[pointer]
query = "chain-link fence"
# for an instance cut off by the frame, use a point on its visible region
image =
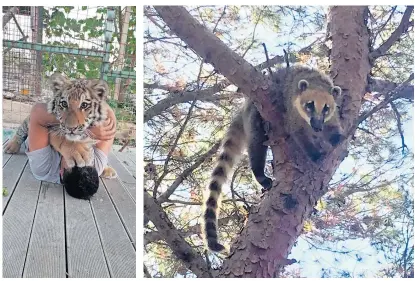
(81, 42)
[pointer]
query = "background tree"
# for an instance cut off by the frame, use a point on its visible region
(195, 57)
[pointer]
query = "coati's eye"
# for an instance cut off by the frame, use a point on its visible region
(64, 104)
(84, 105)
(326, 109)
(309, 106)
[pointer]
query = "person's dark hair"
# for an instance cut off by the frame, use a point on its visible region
(81, 183)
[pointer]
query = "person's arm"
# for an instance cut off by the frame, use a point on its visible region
(105, 133)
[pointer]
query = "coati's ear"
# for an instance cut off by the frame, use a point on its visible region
(302, 85)
(336, 91)
(58, 82)
(100, 87)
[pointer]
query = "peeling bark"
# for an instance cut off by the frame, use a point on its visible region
(261, 250)
(349, 58)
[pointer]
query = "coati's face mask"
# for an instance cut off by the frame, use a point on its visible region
(316, 106)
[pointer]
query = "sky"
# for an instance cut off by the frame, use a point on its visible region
(309, 268)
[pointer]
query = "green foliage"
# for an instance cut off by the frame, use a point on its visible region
(267, 16)
(59, 22)
(62, 27)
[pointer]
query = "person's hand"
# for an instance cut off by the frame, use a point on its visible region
(105, 131)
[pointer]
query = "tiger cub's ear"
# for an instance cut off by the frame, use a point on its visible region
(100, 88)
(58, 82)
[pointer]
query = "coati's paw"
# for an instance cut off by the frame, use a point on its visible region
(215, 246)
(266, 183)
(12, 146)
(316, 157)
(109, 173)
(335, 139)
(267, 127)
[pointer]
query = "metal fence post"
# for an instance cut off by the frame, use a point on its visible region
(109, 29)
(39, 54)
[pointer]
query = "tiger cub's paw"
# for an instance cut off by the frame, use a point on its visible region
(12, 146)
(109, 173)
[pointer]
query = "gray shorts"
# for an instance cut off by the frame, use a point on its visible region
(45, 162)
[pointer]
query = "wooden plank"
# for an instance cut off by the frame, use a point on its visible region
(12, 172)
(124, 205)
(126, 162)
(84, 250)
(129, 151)
(117, 246)
(46, 252)
(131, 155)
(126, 179)
(17, 224)
(6, 158)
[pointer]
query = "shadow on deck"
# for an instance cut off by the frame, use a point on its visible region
(47, 233)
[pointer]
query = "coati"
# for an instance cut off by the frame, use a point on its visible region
(311, 114)
(309, 100)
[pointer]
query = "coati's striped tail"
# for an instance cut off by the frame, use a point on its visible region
(232, 146)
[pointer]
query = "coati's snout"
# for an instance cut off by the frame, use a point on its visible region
(317, 123)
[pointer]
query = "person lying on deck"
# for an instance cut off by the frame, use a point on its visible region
(48, 165)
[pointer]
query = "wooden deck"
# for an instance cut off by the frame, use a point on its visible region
(47, 233)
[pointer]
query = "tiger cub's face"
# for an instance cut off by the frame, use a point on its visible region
(77, 104)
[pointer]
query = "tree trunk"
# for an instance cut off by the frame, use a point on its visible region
(274, 225)
(118, 94)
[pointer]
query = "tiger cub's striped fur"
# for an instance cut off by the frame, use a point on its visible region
(77, 104)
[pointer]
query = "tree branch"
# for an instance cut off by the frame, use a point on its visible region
(239, 72)
(159, 86)
(388, 98)
(366, 131)
(380, 29)
(150, 17)
(401, 29)
(165, 196)
(154, 236)
(171, 235)
(385, 86)
(203, 95)
(172, 99)
(399, 124)
(349, 191)
(173, 147)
